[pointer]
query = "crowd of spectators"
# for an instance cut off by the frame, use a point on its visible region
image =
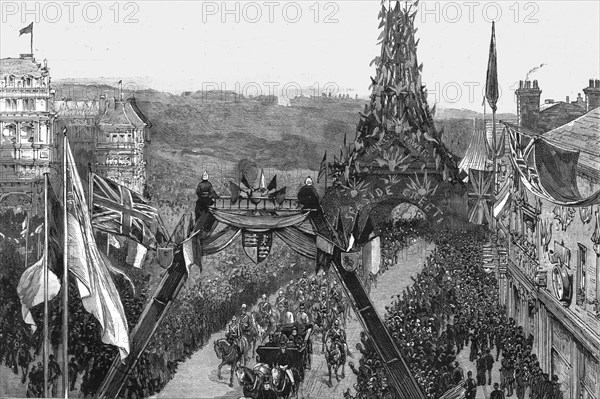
(204, 306)
(453, 304)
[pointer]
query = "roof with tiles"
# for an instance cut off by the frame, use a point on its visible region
(583, 135)
(123, 113)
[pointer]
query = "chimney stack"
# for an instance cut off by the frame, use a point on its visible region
(592, 95)
(567, 100)
(528, 104)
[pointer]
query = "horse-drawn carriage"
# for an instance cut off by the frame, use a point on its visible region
(297, 346)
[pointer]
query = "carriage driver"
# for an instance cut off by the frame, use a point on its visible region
(284, 359)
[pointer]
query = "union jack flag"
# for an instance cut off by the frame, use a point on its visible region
(120, 211)
(480, 196)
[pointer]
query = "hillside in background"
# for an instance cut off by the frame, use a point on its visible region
(216, 130)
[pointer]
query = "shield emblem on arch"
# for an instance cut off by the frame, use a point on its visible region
(165, 257)
(350, 260)
(257, 245)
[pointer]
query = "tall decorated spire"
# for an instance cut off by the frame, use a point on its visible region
(398, 114)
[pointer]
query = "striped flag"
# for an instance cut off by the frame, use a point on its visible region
(120, 211)
(92, 268)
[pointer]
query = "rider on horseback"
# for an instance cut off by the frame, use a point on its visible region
(232, 333)
(245, 320)
(288, 317)
(306, 326)
(280, 298)
(264, 307)
(337, 333)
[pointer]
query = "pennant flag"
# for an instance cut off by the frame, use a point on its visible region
(245, 183)
(121, 211)
(273, 184)
(91, 267)
(192, 252)
(491, 83)
(31, 289)
(278, 196)
(27, 29)
(262, 185)
(113, 241)
(136, 254)
(323, 167)
(184, 227)
(140, 256)
(235, 192)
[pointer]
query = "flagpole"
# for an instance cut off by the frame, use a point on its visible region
(65, 304)
(27, 238)
(31, 45)
(47, 232)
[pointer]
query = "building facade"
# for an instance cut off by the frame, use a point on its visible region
(549, 265)
(108, 135)
(27, 142)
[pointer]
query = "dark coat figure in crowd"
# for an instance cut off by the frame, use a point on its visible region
(457, 374)
(53, 374)
(497, 393)
(308, 198)
(73, 371)
(470, 386)
(521, 382)
(481, 367)
(206, 195)
(489, 364)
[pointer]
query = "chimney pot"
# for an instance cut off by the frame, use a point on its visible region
(520, 84)
(598, 83)
(591, 83)
(535, 84)
(567, 100)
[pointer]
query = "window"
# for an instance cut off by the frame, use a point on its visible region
(581, 274)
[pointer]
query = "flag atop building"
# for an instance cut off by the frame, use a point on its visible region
(27, 29)
(92, 268)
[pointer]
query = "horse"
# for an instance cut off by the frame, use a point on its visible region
(281, 383)
(274, 320)
(230, 354)
(335, 357)
(252, 385)
(262, 324)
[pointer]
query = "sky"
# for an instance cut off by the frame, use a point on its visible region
(288, 48)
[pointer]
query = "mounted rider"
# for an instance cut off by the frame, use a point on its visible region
(288, 317)
(280, 298)
(232, 331)
(245, 321)
(306, 327)
(303, 283)
(337, 333)
(264, 307)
